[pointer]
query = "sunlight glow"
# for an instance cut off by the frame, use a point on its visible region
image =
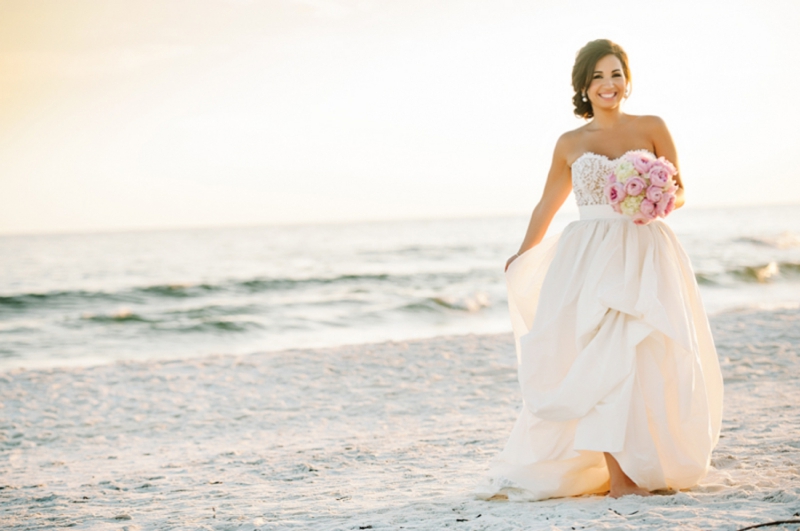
(172, 114)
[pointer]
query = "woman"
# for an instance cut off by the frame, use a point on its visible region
(618, 369)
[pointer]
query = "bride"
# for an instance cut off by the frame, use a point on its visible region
(619, 374)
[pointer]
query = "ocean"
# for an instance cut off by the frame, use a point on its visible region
(81, 299)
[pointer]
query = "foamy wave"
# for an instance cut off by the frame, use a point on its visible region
(761, 273)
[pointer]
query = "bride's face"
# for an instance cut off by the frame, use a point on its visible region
(608, 85)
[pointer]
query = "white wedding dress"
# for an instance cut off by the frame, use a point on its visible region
(615, 355)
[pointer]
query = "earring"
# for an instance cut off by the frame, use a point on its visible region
(583, 98)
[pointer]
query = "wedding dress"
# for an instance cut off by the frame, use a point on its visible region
(615, 355)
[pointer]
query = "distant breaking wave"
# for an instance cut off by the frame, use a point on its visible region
(762, 273)
(29, 301)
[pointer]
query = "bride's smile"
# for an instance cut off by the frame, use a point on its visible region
(608, 85)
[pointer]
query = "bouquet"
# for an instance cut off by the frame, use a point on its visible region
(641, 186)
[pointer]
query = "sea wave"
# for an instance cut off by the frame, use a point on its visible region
(23, 301)
(748, 274)
(14, 303)
(470, 304)
(785, 240)
(205, 319)
(142, 294)
(121, 316)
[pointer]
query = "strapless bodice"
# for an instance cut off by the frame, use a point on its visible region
(589, 172)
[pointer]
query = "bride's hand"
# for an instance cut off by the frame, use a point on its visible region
(508, 262)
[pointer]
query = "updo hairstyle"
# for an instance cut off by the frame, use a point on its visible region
(583, 70)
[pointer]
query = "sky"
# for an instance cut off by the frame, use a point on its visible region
(118, 115)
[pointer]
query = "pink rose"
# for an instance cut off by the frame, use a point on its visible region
(670, 167)
(670, 204)
(635, 185)
(641, 161)
(612, 178)
(615, 192)
(654, 193)
(666, 205)
(648, 208)
(659, 174)
(640, 219)
(671, 188)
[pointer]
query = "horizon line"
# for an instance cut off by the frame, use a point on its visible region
(168, 228)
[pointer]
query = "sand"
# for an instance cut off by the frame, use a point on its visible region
(381, 436)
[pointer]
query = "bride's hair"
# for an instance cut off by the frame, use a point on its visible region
(583, 69)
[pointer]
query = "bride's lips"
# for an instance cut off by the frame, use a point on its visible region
(607, 96)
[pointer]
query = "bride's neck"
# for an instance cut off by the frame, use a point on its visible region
(606, 119)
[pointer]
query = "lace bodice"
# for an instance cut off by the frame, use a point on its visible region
(589, 173)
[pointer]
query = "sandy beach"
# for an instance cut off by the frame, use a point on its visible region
(382, 436)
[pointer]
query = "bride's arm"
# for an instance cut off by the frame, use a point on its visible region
(556, 190)
(665, 147)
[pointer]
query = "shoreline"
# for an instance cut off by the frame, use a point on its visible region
(384, 434)
(14, 367)
(87, 363)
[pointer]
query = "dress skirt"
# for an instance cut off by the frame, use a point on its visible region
(615, 355)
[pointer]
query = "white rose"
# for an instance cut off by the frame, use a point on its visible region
(631, 204)
(625, 170)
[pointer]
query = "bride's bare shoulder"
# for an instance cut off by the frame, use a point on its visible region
(575, 135)
(654, 130)
(569, 141)
(648, 123)
(569, 145)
